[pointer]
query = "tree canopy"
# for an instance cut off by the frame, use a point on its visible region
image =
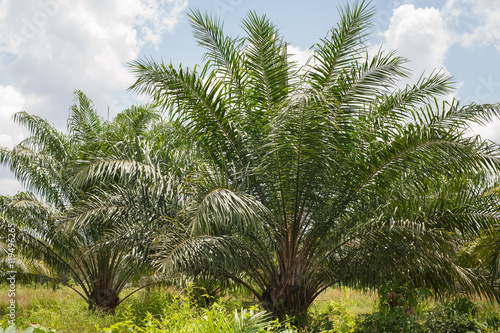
(324, 173)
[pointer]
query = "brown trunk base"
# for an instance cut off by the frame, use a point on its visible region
(104, 301)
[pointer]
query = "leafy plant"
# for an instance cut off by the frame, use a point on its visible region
(396, 311)
(334, 316)
(181, 318)
(394, 294)
(203, 292)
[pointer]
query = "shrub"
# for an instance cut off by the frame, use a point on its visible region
(181, 317)
(334, 316)
(203, 293)
(396, 311)
(395, 320)
(456, 316)
(153, 302)
(394, 294)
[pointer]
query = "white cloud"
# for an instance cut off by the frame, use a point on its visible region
(421, 35)
(56, 46)
(11, 101)
(424, 36)
(490, 131)
(48, 48)
(477, 20)
(299, 56)
(9, 186)
(477, 23)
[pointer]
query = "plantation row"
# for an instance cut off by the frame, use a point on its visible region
(255, 173)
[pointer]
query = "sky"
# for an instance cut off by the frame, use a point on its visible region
(49, 48)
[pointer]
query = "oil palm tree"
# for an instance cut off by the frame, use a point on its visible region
(320, 174)
(50, 225)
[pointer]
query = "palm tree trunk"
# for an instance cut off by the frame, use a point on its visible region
(104, 296)
(287, 299)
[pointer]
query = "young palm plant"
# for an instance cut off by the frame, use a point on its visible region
(320, 174)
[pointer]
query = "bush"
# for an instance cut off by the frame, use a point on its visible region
(395, 320)
(456, 316)
(396, 311)
(152, 302)
(459, 315)
(334, 316)
(181, 317)
(203, 293)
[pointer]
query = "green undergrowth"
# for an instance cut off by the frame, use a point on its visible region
(169, 310)
(158, 310)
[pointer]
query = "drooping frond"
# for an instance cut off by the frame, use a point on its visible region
(37, 171)
(44, 136)
(195, 98)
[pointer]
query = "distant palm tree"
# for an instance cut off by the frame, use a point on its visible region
(51, 226)
(324, 173)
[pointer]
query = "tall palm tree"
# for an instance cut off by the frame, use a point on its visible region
(52, 227)
(324, 173)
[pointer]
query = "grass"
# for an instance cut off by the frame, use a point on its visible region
(336, 310)
(357, 302)
(61, 309)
